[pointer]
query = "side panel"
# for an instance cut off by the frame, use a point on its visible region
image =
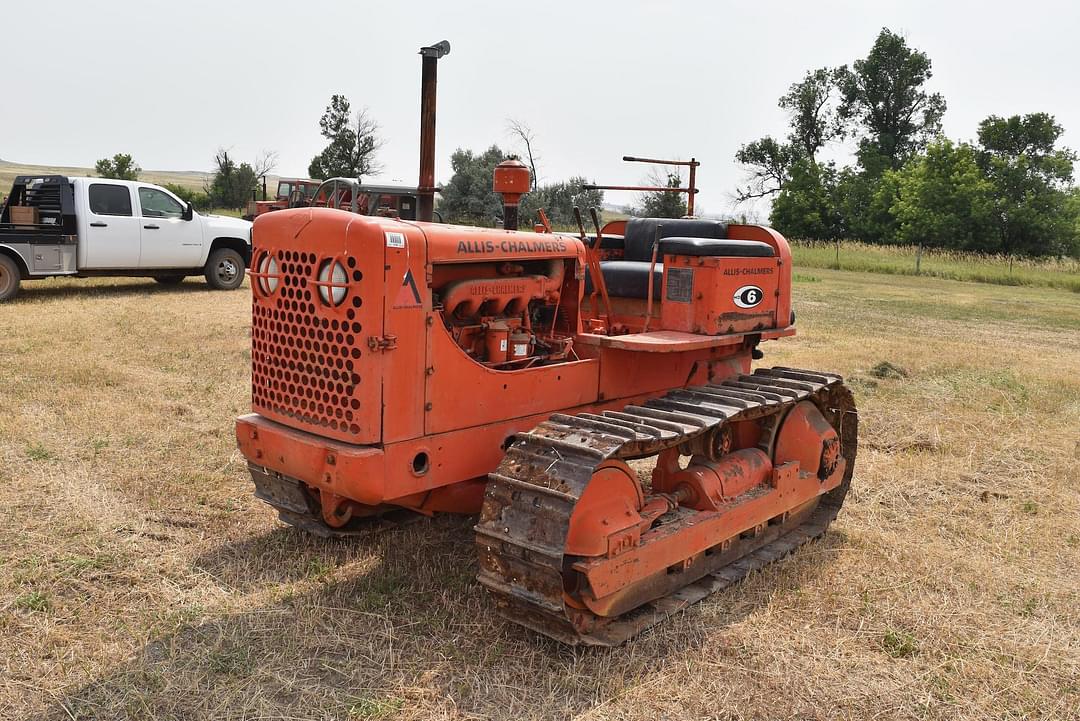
(407, 308)
(628, 373)
(719, 295)
(463, 393)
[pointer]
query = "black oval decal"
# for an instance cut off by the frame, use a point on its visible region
(748, 296)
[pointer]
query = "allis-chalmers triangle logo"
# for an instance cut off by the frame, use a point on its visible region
(409, 295)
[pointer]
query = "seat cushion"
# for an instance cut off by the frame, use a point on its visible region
(628, 279)
(641, 232)
(722, 248)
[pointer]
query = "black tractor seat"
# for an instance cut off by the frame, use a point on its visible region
(700, 247)
(628, 279)
(641, 233)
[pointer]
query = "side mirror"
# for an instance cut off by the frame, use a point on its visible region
(189, 212)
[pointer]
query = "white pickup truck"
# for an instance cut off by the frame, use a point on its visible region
(52, 225)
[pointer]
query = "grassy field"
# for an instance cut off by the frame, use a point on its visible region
(139, 578)
(901, 260)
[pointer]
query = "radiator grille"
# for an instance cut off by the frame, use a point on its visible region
(305, 352)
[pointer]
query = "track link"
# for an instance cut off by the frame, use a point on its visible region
(530, 498)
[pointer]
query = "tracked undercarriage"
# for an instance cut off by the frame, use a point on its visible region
(676, 547)
(532, 508)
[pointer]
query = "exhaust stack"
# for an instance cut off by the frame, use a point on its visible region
(426, 186)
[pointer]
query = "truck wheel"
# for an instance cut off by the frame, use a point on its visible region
(170, 279)
(225, 269)
(9, 278)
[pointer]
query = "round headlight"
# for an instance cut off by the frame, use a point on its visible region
(332, 272)
(268, 271)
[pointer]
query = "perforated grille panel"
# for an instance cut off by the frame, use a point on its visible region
(306, 340)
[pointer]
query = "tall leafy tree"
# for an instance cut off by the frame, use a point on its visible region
(1031, 177)
(119, 167)
(885, 94)
(813, 112)
(353, 142)
(467, 197)
(944, 200)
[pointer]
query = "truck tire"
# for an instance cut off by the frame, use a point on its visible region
(225, 269)
(9, 278)
(170, 279)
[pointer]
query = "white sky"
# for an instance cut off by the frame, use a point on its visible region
(171, 82)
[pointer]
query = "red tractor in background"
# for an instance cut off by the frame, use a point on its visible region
(373, 198)
(291, 193)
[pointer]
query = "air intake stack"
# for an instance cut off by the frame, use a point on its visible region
(429, 72)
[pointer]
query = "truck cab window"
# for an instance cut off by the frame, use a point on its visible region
(106, 199)
(156, 204)
(284, 190)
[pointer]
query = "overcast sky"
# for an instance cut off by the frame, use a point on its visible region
(170, 82)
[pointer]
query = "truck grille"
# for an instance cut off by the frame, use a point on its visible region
(305, 350)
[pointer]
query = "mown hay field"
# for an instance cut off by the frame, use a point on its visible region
(139, 578)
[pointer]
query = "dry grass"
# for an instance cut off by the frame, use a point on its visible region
(140, 579)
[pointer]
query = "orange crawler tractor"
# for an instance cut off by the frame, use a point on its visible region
(600, 416)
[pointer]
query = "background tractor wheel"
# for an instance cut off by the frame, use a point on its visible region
(225, 269)
(170, 279)
(9, 278)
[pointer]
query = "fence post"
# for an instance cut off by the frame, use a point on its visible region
(918, 259)
(838, 254)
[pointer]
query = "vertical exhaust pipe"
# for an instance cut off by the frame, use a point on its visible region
(426, 187)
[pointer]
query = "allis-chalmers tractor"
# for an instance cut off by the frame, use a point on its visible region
(600, 415)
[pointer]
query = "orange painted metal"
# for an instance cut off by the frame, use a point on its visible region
(511, 179)
(606, 518)
(718, 286)
(707, 485)
(808, 439)
(613, 578)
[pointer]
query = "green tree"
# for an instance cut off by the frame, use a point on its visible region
(884, 93)
(1072, 206)
(1031, 178)
(944, 200)
(768, 164)
(813, 113)
(468, 197)
(662, 204)
(354, 142)
(809, 205)
(558, 201)
(119, 167)
(232, 185)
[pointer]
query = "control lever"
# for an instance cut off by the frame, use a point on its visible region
(592, 258)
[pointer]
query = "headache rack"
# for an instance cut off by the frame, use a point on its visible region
(53, 198)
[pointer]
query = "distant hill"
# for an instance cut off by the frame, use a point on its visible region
(194, 179)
